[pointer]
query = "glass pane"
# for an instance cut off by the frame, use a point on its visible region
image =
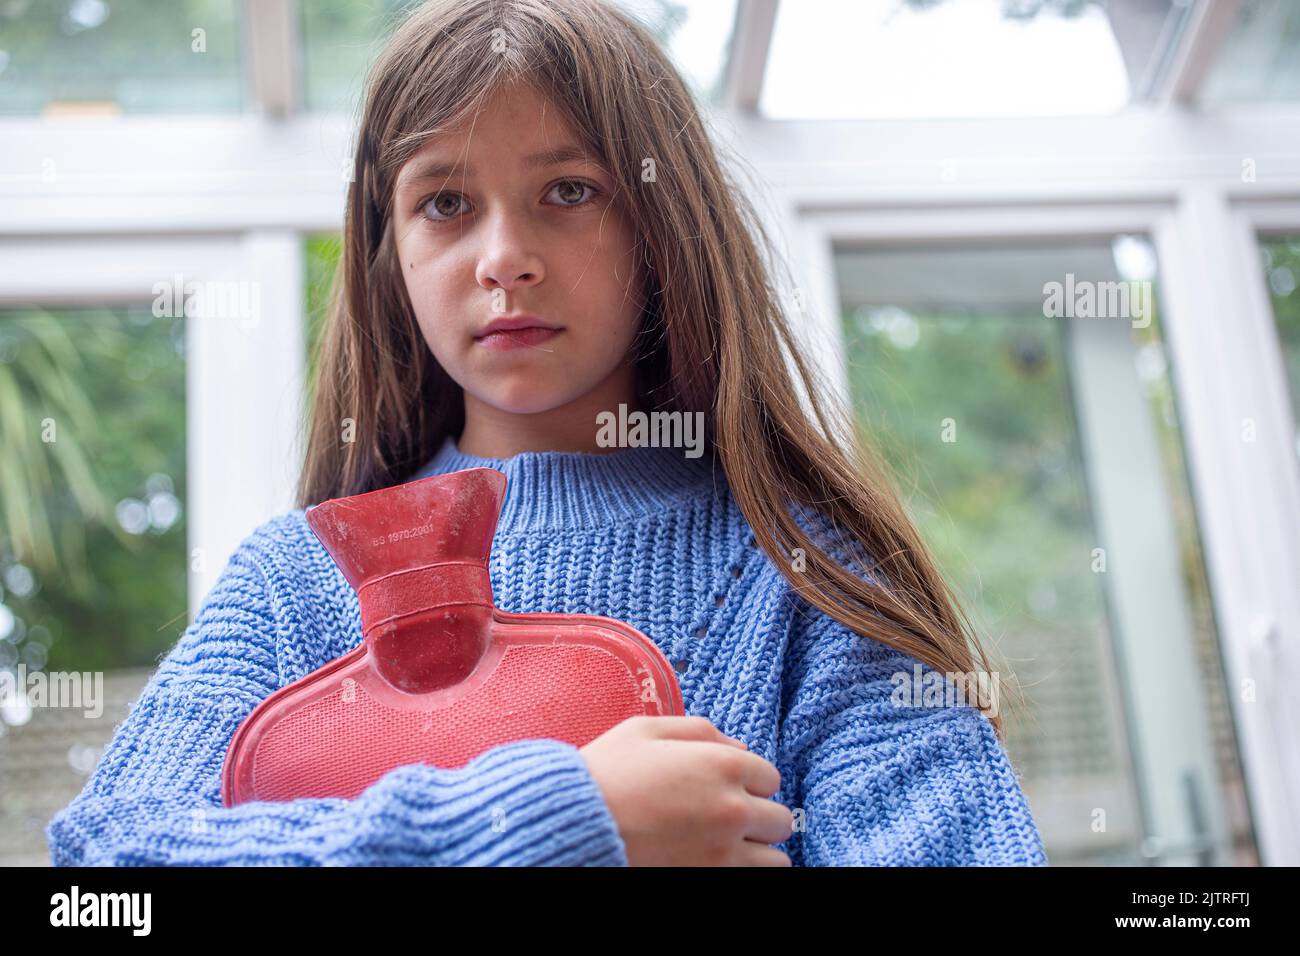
(949, 58)
(340, 40)
(696, 34)
(1261, 60)
(1281, 259)
(342, 37)
(972, 392)
(131, 56)
(93, 569)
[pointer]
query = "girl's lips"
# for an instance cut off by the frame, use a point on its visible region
(517, 338)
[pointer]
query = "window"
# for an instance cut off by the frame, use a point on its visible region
(89, 55)
(897, 59)
(1260, 63)
(1042, 462)
(1281, 262)
(342, 37)
(93, 568)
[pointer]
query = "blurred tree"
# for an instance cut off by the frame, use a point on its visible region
(144, 56)
(322, 253)
(973, 414)
(46, 419)
(92, 530)
(1281, 262)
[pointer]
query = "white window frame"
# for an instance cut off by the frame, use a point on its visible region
(242, 442)
(1204, 230)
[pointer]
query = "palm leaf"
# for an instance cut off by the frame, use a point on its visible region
(44, 382)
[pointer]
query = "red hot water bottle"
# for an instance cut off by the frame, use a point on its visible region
(441, 674)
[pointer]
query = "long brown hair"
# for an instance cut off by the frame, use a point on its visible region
(715, 337)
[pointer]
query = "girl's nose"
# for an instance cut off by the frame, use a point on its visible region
(509, 257)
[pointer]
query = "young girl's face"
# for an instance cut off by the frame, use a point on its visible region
(509, 216)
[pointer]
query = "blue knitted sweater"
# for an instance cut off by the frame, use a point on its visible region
(645, 535)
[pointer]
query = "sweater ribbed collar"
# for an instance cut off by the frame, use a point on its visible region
(557, 489)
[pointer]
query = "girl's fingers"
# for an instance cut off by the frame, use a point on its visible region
(762, 779)
(773, 822)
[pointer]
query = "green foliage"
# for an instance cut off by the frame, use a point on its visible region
(322, 254)
(112, 384)
(138, 54)
(341, 38)
(1001, 500)
(1281, 260)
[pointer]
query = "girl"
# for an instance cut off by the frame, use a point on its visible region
(539, 234)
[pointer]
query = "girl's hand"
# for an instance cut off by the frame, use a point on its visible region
(685, 794)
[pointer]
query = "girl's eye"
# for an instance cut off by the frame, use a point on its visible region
(446, 205)
(438, 205)
(582, 184)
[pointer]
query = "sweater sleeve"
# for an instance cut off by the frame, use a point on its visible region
(154, 797)
(881, 782)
